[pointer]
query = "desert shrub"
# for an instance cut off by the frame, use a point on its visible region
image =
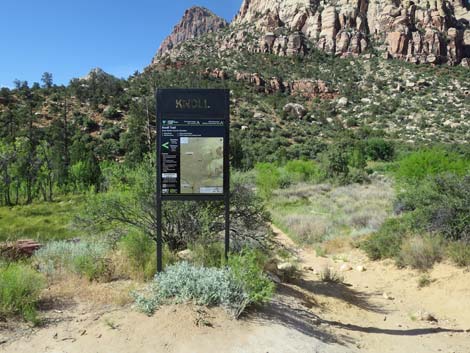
(417, 166)
(378, 149)
(208, 254)
(424, 281)
(334, 162)
(184, 282)
(140, 251)
(267, 179)
(247, 268)
(130, 203)
(330, 276)
(440, 204)
(300, 170)
(20, 288)
(420, 252)
(386, 243)
(459, 253)
(307, 229)
(84, 258)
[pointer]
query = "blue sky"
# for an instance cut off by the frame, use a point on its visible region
(69, 37)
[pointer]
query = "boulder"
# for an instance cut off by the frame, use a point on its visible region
(295, 110)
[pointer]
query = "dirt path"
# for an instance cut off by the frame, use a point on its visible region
(307, 315)
(382, 309)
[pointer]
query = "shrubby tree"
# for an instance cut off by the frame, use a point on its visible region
(130, 202)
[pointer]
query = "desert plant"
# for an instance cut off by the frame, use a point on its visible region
(20, 287)
(330, 276)
(85, 258)
(440, 204)
(208, 254)
(140, 251)
(247, 269)
(459, 252)
(267, 179)
(419, 165)
(300, 170)
(420, 252)
(184, 282)
(386, 243)
(424, 281)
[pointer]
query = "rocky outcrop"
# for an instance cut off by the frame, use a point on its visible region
(420, 31)
(19, 249)
(306, 88)
(195, 22)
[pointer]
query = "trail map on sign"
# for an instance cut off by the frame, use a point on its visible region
(202, 165)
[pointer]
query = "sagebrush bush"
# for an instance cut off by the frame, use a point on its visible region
(184, 282)
(20, 288)
(420, 252)
(88, 259)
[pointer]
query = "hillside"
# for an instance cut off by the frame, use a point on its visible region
(286, 104)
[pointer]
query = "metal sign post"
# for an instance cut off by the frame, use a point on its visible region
(193, 128)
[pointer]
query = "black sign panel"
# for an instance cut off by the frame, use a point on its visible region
(193, 144)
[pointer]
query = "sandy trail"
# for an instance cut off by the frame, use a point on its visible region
(306, 316)
(378, 308)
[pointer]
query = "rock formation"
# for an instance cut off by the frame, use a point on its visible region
(195, 22)
(419, 31)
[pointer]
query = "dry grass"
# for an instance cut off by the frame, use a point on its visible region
(322, 213)
(420, 252)
(76, 288)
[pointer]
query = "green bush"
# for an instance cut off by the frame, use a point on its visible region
(20, 288)
(386, 243)
(247, 268)
(141, 253)
(88, 259)
(378, 149)
(300, 170)
(417, 166)
(335, 161)
(459, 252)
(440, 204)
(209, 254)
(420, 252)
(184, 282)
(267, 179)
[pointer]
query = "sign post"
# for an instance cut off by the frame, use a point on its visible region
(192, 151)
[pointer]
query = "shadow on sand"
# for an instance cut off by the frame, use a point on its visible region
(294, 307)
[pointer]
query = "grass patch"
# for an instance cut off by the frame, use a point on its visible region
(20, 287)
(330, 276)
(424, 281)
(459, 253)
(311, 213)
(41, 221)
